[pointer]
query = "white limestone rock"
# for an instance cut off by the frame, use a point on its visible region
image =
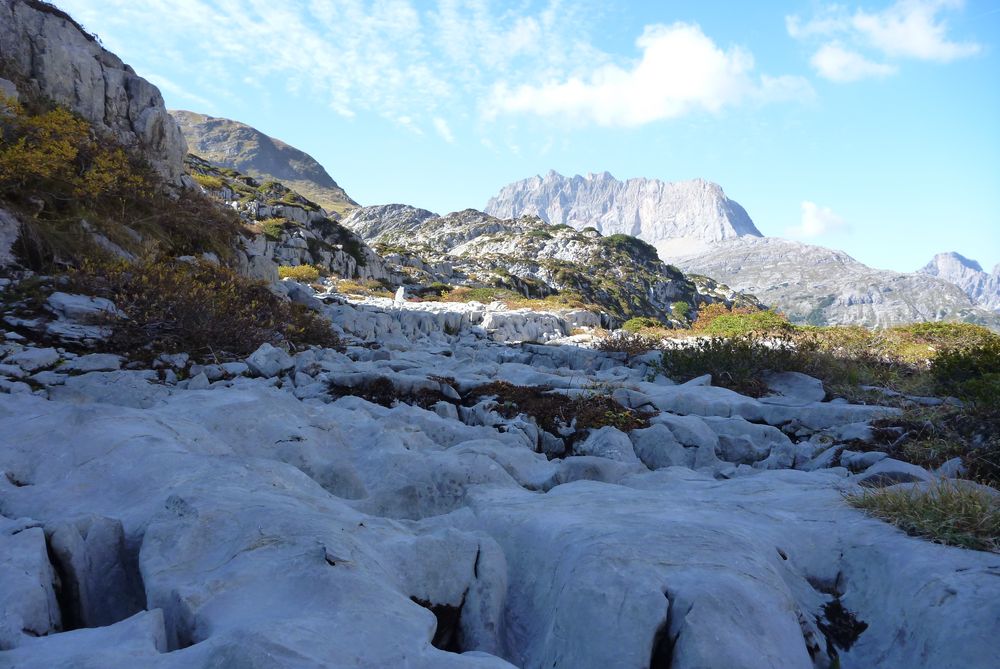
(28, 605)
(269, 361)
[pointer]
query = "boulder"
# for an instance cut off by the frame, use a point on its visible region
(889, 471)
(657, 447)
(607, 442)
(28, 603)
(268, 361)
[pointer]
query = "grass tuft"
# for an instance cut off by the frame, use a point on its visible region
(954, 514)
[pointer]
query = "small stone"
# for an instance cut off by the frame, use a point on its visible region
(199, 382)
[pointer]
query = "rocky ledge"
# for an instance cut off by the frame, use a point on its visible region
(391, 505)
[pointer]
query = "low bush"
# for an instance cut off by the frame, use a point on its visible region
(630, 343)
(367, 288)
(555, 412)
(949, 513)
(640, 323)
(199, 308)
(272, 228)
(69, 182)
(738, 363)
(208, 182)
(300, 273)
(972, 374)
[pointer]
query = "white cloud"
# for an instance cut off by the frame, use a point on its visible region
(907, 29)
(444, 130)
(832, 61)
(816, 221)
(912, 29)
(680, 71)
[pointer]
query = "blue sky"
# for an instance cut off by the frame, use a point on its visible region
(871, 127)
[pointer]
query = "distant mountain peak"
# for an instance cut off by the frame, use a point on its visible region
(953, 256)
(229, 143)
(982, 288)
(681, 214)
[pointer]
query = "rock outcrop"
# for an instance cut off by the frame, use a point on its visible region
(284, 228)
(45, 52)
(676, 216)
(619, 273)
(982, 288)
(233, 144)
(818, 286)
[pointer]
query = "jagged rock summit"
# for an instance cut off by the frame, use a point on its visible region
(237, 145)
(676, 217)
(45, 52)
(982, 288)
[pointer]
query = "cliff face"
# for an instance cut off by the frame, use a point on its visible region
(241, 147)
(44, 52)
(683, 214)
(982, 288)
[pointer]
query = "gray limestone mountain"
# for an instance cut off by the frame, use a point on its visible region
(675, 217)
(695, 226)
(46, 54)
(982, 288)
(819, 286)
(621, 274)
(237, 145)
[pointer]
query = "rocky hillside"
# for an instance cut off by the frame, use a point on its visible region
(45, 53)
(285, 229)
(621, 274)
(818, 286)
(982, 288)
(674, 217)
(233, 144)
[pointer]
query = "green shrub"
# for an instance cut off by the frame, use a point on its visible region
(949, 513)
(199, 308)
(640, 323)
(738, 363)
(300, 273)
(272, 228)
(680, 310)
(737, 324)
(972, 374)
(208, 182)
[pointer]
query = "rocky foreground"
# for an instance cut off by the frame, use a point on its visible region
(264, 513)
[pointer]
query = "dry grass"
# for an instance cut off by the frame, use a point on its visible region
(949, 513)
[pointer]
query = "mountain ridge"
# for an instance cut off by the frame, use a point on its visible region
(242, 147)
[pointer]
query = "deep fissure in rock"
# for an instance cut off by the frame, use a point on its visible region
(662, 655)
(448, 633)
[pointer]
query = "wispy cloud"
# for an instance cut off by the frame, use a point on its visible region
(444, 130)
(681, 70)
(457, 62)
(907, 29)
(834, 62)
(816, 221)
